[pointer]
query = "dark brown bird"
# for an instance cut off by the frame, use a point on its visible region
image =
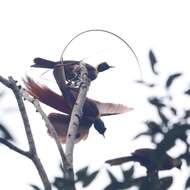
(72, 68)
(150, 159)
(92, 110)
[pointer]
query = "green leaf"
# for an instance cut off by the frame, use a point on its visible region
(142, 134)
(154, 127)
(150, 85)
(178, 132)
(153, 62)
(187, 114)
(35, 187)
(187, 183)
(5, 133)
(81, 174)
(112, 177)
(173, 110)
(84, 177)
(163, 117)
(156, 102)
(128, 173)
(171, 78)
(114, 186)
(165, 183)
(187, 92)
(90, 178)
(60, 183)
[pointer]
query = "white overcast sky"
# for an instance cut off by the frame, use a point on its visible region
(29, 29)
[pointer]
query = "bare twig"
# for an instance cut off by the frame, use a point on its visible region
(60, 78)
(11, 83)
(15, 148)
(25, 119)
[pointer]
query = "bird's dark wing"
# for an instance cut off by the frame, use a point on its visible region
(47, 96)
(44, 63)
(106, 109)
(61, 124)
(52, 99)
(144, 154)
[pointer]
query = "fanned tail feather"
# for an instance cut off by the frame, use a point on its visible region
(46, 96)
(106, 109)
(43, 63)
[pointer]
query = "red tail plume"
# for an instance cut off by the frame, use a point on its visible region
(111, 108)
(92, 108)
(47, 96)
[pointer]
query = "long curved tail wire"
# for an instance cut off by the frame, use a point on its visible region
(106, 31)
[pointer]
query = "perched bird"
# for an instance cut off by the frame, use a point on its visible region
(72, 68)
(150, 159)
(92, 110)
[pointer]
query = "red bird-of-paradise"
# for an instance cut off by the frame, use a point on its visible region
(92, 110)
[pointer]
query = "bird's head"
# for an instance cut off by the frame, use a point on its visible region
(177, 163)
(99, 126)
(103, 67)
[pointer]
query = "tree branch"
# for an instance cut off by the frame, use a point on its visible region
(14, 148)
(77, 114)
(36, 104)
(24, 116)
(77, 106)
(11, 83)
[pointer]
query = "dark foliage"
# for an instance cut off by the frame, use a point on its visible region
(168, 128)
(35, 187)
(4, 133)
(171, 78)
(187, 183)
(187, 92)
(157, 102)
(143, 183)
(126, 183)
(82, 176)
(153, 62)
(150, 85)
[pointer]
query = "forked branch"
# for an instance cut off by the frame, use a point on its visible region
(32, 153)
